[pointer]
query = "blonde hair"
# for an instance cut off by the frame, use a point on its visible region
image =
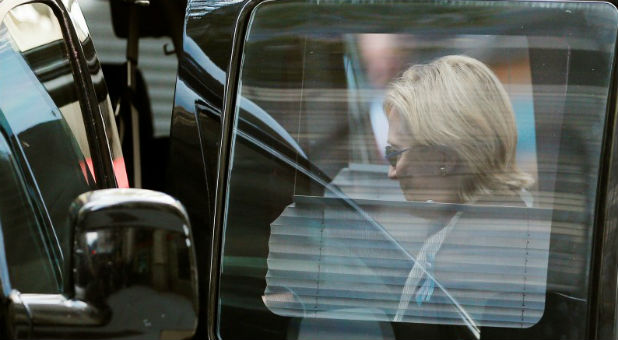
(458, 103)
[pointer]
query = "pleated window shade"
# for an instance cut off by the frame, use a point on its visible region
(328, 260)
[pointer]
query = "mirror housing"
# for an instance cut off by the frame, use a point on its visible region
(131, 273)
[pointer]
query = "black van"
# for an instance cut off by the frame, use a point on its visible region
(276, 150)
(281, 149)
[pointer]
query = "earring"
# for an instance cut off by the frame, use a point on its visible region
(443, 171)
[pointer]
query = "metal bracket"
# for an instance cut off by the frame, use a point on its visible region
(168, 49)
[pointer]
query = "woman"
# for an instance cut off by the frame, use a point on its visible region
(452, 135)
(452, 139)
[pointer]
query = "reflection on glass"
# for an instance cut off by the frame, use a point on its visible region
(105, 104)
(38, 99)
(446, 184)
(31, 264)
(77, 17)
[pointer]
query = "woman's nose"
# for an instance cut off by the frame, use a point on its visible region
(391, 172)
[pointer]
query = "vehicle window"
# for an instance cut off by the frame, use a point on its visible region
(30, 260)
(415, 170)
(38, 98)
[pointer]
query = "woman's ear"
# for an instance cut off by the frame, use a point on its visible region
(450, 163)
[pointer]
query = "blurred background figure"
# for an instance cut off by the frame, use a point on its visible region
(383, 60)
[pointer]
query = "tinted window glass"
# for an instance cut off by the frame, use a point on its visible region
(38, 97)
(415, 170)
(31, 265)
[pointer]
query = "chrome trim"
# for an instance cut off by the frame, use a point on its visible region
(127, 197)
(56, 310)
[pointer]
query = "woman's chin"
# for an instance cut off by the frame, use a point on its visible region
(415, 196)
(412, 197)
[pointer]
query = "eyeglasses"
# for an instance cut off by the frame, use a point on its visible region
(392, 155)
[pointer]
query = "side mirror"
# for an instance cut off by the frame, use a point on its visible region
(132, 271)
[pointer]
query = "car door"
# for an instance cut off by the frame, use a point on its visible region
(281, 105)
(59, 138)
(82, 256)
(48, 108)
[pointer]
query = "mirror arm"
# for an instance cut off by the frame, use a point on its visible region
(29, 311)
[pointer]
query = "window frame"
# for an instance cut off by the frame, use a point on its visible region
(601, 318)
(93, 123)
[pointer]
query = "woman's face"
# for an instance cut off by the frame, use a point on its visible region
(424, 172)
